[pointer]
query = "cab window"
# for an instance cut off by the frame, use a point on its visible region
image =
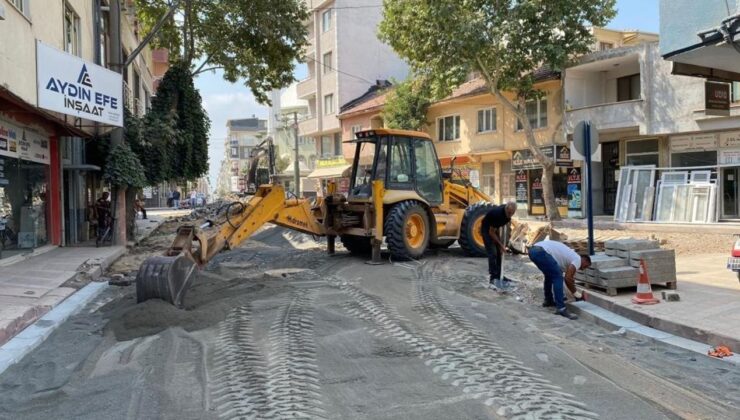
(400, 172)
(428, 171)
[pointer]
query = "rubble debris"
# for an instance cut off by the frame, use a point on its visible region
(120, 280)
(670, 296)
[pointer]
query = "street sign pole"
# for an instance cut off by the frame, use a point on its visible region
(589, 200)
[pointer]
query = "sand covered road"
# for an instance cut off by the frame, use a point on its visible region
(278, 329)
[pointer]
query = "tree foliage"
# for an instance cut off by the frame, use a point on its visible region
(171, 141)
(505, 41)
(255, 40)
(123, 168)
(406, 104)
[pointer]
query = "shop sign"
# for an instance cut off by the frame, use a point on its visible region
(537, 198)
(574, 189)
(73, 86)
(23, 143)
(729, 157)
(695, 143)
(525, 159)
(520, 183)
(331, 162)
(717, 98)
(731, 139)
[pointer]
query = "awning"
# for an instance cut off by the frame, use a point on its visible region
(82, 167)
(331, 172)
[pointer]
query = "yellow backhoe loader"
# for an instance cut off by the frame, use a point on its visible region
(398, 191)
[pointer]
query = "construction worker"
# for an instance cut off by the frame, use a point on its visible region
(493, 221)
(554, 258)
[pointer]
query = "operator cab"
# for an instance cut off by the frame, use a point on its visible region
(403, 160)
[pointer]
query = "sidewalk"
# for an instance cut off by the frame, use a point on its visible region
(709, 309)
(34, 285)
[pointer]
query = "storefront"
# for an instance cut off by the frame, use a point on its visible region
(25, 178)
(528, 180)
(332, 169)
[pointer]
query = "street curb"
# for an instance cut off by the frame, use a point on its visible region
(694, 334)
(27, 340)
(605, 318)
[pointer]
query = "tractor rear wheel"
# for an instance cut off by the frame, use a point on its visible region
(407, 230)
(471, 239)
(359, 245)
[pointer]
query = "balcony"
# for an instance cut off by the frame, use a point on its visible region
(307, 88)
(609, 117)
(307, 127)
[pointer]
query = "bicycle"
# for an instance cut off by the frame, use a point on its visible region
(105, 233)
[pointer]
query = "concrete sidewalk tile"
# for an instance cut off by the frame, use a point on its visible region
(687, 344)
(649, 332)
(27, 291)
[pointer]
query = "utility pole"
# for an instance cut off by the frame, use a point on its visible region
(119, 193)
(296, 166)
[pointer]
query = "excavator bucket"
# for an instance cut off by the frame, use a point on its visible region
(166, 278)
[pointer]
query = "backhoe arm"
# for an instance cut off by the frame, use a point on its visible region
(168, 277)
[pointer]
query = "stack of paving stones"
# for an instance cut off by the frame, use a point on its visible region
(619, 265)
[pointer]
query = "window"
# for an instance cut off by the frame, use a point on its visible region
(235, 152)
(104, 40)
(487, 120)
(603, 46)
(448, 128)
(681, 160)
(735, 92)
(400, 169)
(337, 144)
(536, 114)
(642, 152)
(329, 104)
(628, 88)
(328, 64)
(428, 171)
(327, 148)
(356, 129)
(21, 5)
(326, 21)
(71, 31)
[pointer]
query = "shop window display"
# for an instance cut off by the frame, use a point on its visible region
(23, 205)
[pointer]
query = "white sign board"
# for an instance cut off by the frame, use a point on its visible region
(474, 178)
(23, 143)
(695, 143)
(73, 86)
(234, 184)
(729, 157)
(731, 139)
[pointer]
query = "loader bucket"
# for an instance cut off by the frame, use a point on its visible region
(166, 278)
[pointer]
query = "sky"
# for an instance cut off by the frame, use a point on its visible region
(223, 100)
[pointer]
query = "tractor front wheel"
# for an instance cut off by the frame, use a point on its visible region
(471, 238)
(407, 230)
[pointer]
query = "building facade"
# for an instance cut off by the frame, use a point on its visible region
(48, 181)
(242, 136)
(345, 56)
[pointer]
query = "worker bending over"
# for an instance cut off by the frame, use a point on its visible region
(493, 221)
(553, 258)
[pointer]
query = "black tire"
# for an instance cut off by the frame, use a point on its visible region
(359, 245)
(467, 234)
(395, 230)
(441, 244)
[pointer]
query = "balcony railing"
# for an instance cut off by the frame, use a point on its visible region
(306, 88)
(610, 116)
(307, 126)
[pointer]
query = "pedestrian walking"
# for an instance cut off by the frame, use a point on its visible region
(193, 198)
(103, 212)
(491, 227)
(554, 258)
(176, 198)
(139, 207)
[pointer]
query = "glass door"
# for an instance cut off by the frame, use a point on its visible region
(730, 193)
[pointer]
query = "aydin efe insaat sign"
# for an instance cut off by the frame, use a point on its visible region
(73, 86)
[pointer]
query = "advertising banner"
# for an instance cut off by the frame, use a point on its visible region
(524, 159)
(574, 189)
(73, 86)
(520, 182)
(23, 143)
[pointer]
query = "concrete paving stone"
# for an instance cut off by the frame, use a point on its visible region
(631, 244)
(606, 261)
(649, 332)
(618, 272)
(649, 254)
(610, 252)
(27, 291)
(39, 282)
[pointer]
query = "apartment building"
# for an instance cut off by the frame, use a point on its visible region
(344, 58)
(242, 136)
(647, 116)
(55, 96)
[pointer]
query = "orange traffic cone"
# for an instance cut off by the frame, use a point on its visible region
(644, 294)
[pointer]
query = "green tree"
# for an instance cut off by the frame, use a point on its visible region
(406, 105)
(505, 41)
(282, 163)
(255, 40)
